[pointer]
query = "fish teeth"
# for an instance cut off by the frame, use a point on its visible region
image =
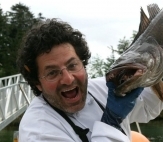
(111, 76)
(130, 76)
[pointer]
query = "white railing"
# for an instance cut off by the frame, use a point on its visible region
(15, 96)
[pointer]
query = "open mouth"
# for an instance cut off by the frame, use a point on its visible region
(122, 74)
(71, 93)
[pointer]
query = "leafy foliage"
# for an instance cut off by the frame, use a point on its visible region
(13, 25)
(99, 67)
(4, 38)
(96, 67)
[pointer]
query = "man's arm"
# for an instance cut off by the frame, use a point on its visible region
(158, 90)
(148, 106)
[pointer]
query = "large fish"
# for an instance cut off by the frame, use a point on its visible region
(141, 65)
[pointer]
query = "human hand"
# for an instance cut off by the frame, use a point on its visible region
(121, 105)
(118, 107)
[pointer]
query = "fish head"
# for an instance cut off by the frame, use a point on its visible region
(139, 66)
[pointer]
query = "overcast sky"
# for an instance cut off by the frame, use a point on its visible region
(103, 22)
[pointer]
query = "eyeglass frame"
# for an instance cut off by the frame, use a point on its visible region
(60, 71)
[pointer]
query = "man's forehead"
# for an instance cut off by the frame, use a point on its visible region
(58, 54)
(59, 51)
(62, 49)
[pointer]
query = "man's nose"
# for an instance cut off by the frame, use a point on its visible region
(66, 77)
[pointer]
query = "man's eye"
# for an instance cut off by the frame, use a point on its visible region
(72, 66)
(52, 73)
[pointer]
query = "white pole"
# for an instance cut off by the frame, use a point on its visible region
(138, 127)
(24, 94)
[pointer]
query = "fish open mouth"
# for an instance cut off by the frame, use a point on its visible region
(124, 73)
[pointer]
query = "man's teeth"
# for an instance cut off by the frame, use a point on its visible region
(69, 89)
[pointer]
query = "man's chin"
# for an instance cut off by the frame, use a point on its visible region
(75, 108)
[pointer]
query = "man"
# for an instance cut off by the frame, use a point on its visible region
(69, 107)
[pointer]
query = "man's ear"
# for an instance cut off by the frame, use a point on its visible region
(39, 87)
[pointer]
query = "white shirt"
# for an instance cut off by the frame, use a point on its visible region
(41, 123)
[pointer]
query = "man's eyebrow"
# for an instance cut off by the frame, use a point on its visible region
(71, 59)
(57, 67)
(51, 67)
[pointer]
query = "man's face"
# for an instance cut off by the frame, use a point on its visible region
(67, 93)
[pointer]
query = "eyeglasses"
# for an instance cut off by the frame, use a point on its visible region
(53, 75)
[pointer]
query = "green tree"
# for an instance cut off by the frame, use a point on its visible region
(21, 19)
(110, 60)
(4, 40)
(123, 45)
(99, 67)
(40, 17)
(16, 23)
(95, 63)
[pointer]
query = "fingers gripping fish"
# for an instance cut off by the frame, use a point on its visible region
(141, 65)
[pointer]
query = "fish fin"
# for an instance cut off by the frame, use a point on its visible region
(144, 23)
(153, 10)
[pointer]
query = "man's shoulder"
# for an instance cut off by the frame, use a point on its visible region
(97, 87)
(35, 109)
(99, 82)
(40, 117)
(40, 113)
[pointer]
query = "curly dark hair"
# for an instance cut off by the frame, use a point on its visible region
(40, 39)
